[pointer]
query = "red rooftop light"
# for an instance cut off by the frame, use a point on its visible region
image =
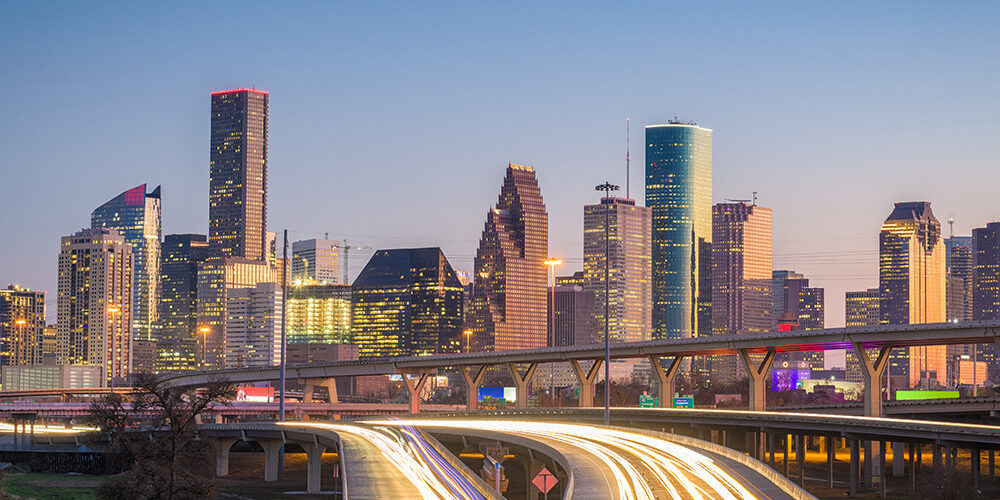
(233, 91)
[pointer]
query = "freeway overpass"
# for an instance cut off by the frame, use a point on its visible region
(756, 351)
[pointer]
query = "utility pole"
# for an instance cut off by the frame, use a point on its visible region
(607, 187)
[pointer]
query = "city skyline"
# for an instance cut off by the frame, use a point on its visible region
(587, 148)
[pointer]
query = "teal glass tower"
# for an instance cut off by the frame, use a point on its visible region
(679, 193)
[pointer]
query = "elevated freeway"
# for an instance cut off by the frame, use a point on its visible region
(756, 352)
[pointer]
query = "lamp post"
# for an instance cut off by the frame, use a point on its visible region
(468, 341)
(552, 263)
(607, 187)
(204, 344)
(111, 333)
(19, 339)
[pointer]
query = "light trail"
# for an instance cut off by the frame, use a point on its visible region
(432, 476)
(681, 471)
(46, 429)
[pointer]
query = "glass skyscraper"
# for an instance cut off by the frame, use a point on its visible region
(679, 192)
(237, 209)
(135, 215)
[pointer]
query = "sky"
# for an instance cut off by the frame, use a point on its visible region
(391, 122)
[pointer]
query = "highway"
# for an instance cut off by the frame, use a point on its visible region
(383, 462)
(618, 463)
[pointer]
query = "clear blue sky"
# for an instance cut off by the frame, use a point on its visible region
(391, 123)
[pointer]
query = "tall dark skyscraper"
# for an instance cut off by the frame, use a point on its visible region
(237, 210)
(22, 326)
(407, 302)
(986, 272)
(574, 322)
(958, 266)
(182, 253)
(793, 296)
(135, 215)
(508, 309)
(679, 193)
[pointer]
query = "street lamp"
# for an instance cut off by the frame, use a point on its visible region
(552, 263)
(111, 332)
(607, 187)
(204, 344)
(468, 341)
(21, 342)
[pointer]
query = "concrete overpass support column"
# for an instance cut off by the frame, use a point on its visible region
(314, 458)
(992, 462)
(472, 381)
(586, 380)
(897, 459)
(770, 447)
(331, 389)
(855, 462)
(222, 456)
(307, 389)
(830, 456)
(913, 470)
(788, 454)
(666, 378)
(937, 456)
(757, 374)
(415, 389)
(881, 459)
(874, 373)
(975, 468)
(522, 382)
(800, 454)
(273, 450)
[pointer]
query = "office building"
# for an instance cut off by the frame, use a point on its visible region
(40, 378)
(135, 215)
(315, 261)
(986, 285)
(958, 266)
(237, 209)
(407, 302)
(912, 288)
(629, 299)
(794, 299)
(573, 321)
(181, 256)
(253, 326)
(508, 307)
(22, 326)
(319, 314)
(94, 306)
(679, 194)
(217, 278)
(577, 278)
(741, 277)
(861, 310)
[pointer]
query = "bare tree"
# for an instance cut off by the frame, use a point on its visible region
(155, 427)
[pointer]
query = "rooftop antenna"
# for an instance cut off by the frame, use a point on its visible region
(628, 158)
(755, 198)
(951, 225)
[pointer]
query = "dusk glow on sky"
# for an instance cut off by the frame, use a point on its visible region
(391, 124)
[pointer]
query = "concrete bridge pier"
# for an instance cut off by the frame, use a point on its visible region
(309, 386)
(830, 456)
(415, 389)
(855, 466)
(314, 456)
(666, 378)
(522, 382)
(272, 451)
(222, 447)
(757, 373)
(897, 459)
(586, 380)
(472, 381)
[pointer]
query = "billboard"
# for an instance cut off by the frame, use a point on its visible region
(255, 394)
(505, 393)
(788, 379)
(912, 395)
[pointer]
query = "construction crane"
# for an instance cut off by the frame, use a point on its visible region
(345, 249)
(753, 201)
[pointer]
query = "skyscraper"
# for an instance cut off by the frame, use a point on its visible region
(986, 284)
(741, 277)
(178, 331)
(216, 280)
(22, 326)
(407, 302)
(508, 308)
(861, 309)
(315, 261)
(253, 326)
(958, 266)
(793, 298)
(630, 267)
(573, 315)
(135, 215)
(912, 287)
(679, 193)
(319, 314)
(94, 325)
(237, 209)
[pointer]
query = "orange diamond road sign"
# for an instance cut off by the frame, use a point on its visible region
(544, 481)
